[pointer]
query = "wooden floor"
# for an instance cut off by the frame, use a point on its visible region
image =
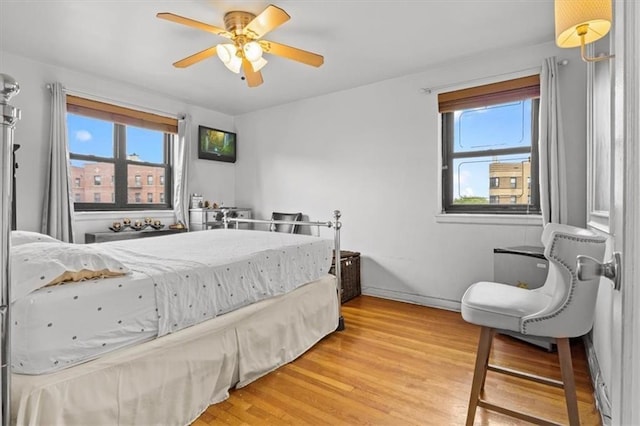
(402, 364)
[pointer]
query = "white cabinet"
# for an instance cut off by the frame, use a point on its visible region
(200, 219)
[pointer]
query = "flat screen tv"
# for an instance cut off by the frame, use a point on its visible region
(218, 145)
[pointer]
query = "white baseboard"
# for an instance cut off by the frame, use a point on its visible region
(599, 386)
(417, 299)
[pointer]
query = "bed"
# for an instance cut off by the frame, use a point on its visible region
(194, 315)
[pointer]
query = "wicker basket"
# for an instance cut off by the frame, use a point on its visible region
(350, 271)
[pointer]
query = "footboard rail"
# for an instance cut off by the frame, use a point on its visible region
(335, 224)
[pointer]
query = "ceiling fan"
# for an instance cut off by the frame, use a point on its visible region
(245, 31)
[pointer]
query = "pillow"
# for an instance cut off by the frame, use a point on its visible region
(23, 237)
(38, 265)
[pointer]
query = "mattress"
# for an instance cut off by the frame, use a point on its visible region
(176, 281)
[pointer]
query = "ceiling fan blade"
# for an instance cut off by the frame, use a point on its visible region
(293, 53)
(253, 78)
(269, 19)
(196, 57)
(194, 24)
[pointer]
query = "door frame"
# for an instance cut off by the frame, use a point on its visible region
(626, 374)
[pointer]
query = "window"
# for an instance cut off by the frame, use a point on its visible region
(125, 144)
(149, 197)
(489, 135)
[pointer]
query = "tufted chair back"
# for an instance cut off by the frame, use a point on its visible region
(571, 306)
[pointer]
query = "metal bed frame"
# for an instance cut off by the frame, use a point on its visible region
(336, 225)
(10, 115)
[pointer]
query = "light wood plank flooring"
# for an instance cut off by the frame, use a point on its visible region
(402, 364)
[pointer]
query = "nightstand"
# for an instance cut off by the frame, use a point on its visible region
(201, 218)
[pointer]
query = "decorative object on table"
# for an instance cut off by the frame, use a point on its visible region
(196, 201)
(218, 145)
(156, 224)
(138, 225)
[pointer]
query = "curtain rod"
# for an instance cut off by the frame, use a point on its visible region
(429, 90)
(117, 102)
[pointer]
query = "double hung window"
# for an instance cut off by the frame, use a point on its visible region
(489, 148)
(111, 148)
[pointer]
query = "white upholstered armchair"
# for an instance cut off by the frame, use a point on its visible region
(562, 308)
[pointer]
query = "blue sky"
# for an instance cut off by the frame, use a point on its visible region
(91, 136)
(495, 127)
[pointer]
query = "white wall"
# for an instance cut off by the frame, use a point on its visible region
(373, 153)
(215, 180)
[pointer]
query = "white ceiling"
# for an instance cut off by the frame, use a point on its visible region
(362, 41)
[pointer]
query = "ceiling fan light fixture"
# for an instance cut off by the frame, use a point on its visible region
(258, 64)
(228, 55)
(225, 52)
(245, 46)
(234, 64)
(252, 51)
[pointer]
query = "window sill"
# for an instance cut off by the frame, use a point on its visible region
(102, 214)
(490, 219)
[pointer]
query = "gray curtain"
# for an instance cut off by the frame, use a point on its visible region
(181, 170)
(553, 177)
(57, 211)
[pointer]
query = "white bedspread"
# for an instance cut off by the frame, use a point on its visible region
(200, 275)
(176, 281)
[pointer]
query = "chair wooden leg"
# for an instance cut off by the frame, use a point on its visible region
(480, 372)
(486, 363)
(566, 368)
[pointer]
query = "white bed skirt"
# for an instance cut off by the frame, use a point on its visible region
(173, 379)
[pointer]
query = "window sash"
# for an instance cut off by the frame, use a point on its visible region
(120, 170)
(449, 156)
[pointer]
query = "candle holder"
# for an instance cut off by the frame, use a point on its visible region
(138, 225)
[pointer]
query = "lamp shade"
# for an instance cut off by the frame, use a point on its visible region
(227, 54)
(571, 14)
(252, 51)
(234, 64)
(258, 64)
